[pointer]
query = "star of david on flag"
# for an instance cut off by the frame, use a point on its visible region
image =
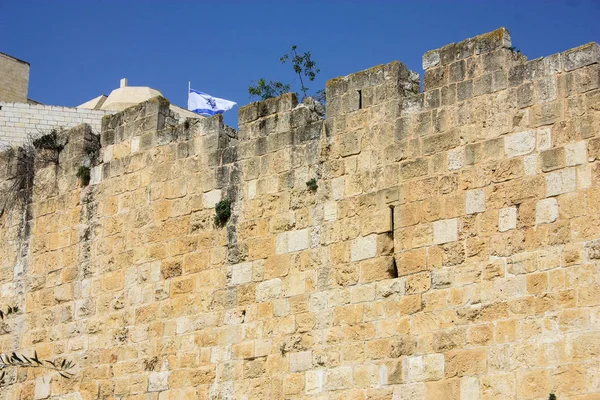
(205, 104)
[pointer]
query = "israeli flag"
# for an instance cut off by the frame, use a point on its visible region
(205, 104)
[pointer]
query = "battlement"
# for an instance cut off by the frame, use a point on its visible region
(405, 244)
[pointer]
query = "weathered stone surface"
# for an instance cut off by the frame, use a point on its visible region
(546, 211)
(363, 248)
(519, 143)
(475, 202)
(507, 219)
(445, 231)
(450, 249)
(424, 368)
(562, 181)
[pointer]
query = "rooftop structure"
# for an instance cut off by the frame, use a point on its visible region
(21, 117)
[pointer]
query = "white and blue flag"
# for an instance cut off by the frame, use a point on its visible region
(205, 104)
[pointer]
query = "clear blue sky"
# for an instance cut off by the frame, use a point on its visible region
(80, 49)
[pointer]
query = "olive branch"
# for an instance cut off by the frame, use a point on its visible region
(20, 360)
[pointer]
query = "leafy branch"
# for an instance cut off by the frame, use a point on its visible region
(303, 65)
(16, 360)
(266, 90)
(20, 360)
(9, 311)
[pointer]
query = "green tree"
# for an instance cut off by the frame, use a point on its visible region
(266, 90)
(304, 66)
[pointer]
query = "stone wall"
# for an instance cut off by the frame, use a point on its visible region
(449, 251)
(18, 120)
(14, 79)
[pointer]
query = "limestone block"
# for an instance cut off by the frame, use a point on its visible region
(507, 219)
(519, 144)
(530, 164)
(584, 176)
(363, 248)
(581, 56)
(240, 273)
(465, 362)
(431, 59)
(107, 153)
(42, 387)
(210, 199)
(445, 231)
(546, 211)
(158, 381)
(475, 202)
(338, 378)
(96, 175)
(552, 159)
(432, 144)
(469, 388)
(337, 188)
(576, 153)
(412, 261)
(289, 242)
(330, 211)
(135, 144)
(313, 381)
(349, 144)
(298, 240)
(546, 89)
(300, 361)
(533, 384)
(456, 159)
(252, 185)
(412, 391)
(560, 182)
(544, 139)
(424, 368)
(268, 290)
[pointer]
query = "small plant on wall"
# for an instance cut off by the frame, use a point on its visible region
(223, 212)
(84, 175)
(312, 185)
